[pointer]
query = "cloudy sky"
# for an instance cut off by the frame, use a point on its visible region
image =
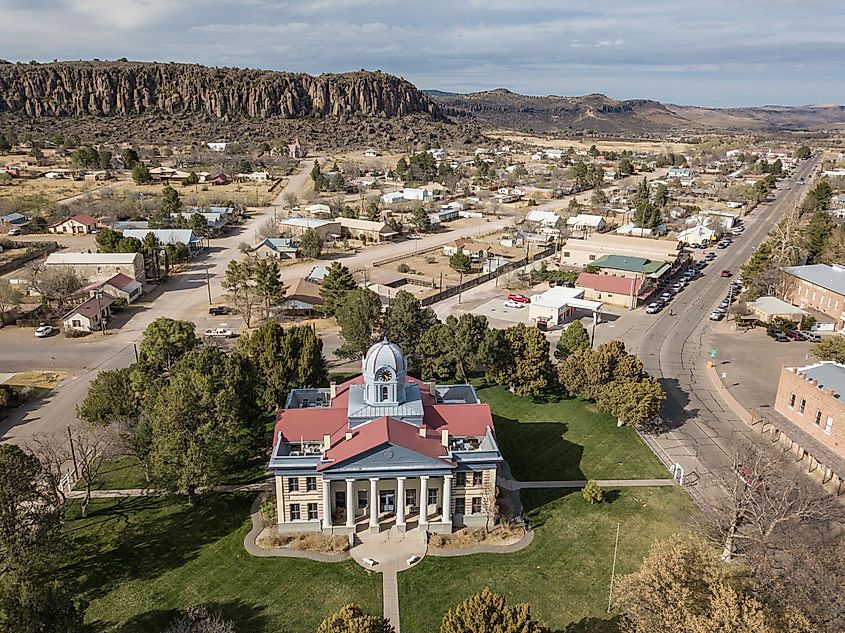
(711, 52)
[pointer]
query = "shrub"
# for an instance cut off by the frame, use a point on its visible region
(74, 333)
(403, 268)
(268, 510)
(592, 492)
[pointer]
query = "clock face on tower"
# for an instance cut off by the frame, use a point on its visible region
(384, 375)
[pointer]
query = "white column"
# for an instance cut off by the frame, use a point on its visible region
(447, 499)
(400, 502)
(350, 504)
(423, 501)
(327, 504)
(374, 502)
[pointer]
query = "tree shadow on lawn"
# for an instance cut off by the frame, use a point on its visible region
(246, 618)
(593, 625)
(141, 538)
(537, 451)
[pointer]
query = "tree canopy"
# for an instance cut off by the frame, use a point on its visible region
(165, 341)
(359, 318)
(337, 283)
(487, 612)
(351, 619)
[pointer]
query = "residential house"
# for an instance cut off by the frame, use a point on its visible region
(296, 226)
(370, 152)
(811, 397)
(78, 224)
(384, 451)
(317, 274)
(416, 193)
(275, 248)
(547, 219)
(100, 266)
(473, 250)
(678, 172)
(818, 288)
(170, 236)
(393, 197)
(130, 224)
(167, 174)
(296, 150)
(217, 146)
(118, 286)
(697, 235)
(318, 210)
(302, 297)
(215, 222)
(586, 222)
(253, 176)
(89, 316)
(14, 221)
(373, 231)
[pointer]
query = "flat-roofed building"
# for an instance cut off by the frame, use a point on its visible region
(367, 229)
(583, 252)
(817, 287)
(100, 266)
(296, 226)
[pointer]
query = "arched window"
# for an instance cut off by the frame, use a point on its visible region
(384, 393)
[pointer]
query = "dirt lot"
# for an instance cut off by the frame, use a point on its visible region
(247, 193)
(52, 190)
(617, 146)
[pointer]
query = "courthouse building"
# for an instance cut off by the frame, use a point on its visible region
(382, 450)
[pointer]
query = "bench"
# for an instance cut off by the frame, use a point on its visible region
(370, 562)
(412, 560)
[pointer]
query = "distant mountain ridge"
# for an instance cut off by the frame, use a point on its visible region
(503, 108)
(123, 88)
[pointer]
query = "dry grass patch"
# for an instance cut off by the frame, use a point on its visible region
(271, 538)
(502, 534)
(36, 379)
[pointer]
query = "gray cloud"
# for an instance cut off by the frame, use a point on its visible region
(715, 53)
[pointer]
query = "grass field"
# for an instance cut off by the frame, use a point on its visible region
(564, 574)
(566, 439)
(139, 561)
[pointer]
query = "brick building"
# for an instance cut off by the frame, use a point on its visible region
(819, 288)
(811, 398)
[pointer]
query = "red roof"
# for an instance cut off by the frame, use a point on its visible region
(84, 218)
(608, 283)
(119, 281)
(382, 431)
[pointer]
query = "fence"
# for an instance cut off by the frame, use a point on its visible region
(451, 291)
(33, 253)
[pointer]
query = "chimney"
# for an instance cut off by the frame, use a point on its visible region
(348, 435)
(432, 387)
(333, 389)
(422, 431)
(444, 437)
(327, 442)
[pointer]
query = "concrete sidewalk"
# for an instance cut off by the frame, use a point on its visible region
(151, 492)
(510, 484)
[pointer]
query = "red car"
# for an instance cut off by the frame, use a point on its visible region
(725, 273)
(519, 298)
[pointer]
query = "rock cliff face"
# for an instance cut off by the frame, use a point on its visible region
(73, 89)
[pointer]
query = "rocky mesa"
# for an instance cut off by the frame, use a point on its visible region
(75, 89)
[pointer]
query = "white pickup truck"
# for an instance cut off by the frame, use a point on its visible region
(220, 332)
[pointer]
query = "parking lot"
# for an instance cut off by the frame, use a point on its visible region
(499, 315)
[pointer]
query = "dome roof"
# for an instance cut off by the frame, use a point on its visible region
(384, 354)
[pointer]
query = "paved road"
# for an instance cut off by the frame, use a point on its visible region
(703, 432)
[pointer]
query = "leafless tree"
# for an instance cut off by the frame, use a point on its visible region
(269, 228)
(786, 239)
(55, 284)
(92, 447)
(766, 496)
(290, 199)
(53, 451)
(199, 620)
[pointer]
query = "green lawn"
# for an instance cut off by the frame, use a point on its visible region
(566, 439)
(138, 561)
(564, 574)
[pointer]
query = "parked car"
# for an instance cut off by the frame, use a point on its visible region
(721, 245)
(710, 256)
(716, 316)
(676, 288)
(666, 297)
(780, 337)
(653, 308)
(519, 298)
(43, 331)
(218, 310)
(513, 304)
(219, 332)
(811, 336)
(413, 236)
(14, 231)
(795, 335)
(725, 273)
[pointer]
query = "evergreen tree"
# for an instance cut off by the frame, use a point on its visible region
(468, 334)
(405, 321)
(164, 342)
(487, 612)
(30, 605)
(532, 366)
(359, 318)
(141, 175)
(130, 158)
(310, 244)
(420, 220)
(573, 338)
(758, 262)
(170, 201)
(351, 619)
(632, 402)
(268, 287)
(337, 283)
(816, 234)
(435, 361)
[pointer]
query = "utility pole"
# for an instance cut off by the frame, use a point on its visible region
(73, 454)
(208, 284)
(100, 313)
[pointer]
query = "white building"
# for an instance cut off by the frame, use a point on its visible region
(393, 197)
(416, 193)
(585, 222)
(543, 218)
(556, 305)
(217, 146)
(697, 234)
